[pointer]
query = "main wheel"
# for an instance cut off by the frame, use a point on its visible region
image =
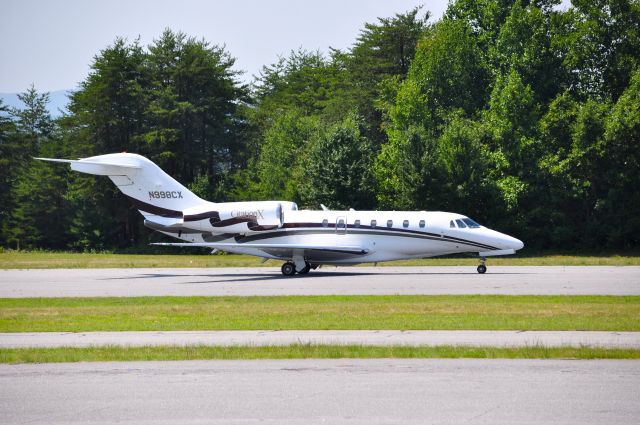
(288, 269)
(482, 268)
(306, 268)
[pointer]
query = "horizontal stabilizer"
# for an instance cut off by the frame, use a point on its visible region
(358, 250)
(82, 161)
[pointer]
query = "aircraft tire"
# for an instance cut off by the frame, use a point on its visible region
(288, 269)
(482, 269)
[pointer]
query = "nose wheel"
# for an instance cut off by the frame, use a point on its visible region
(482, 268)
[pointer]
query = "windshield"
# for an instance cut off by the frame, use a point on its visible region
(470, 223)
(460, 224)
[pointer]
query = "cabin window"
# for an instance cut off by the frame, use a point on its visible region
(422, 223)
(356, 223)
(389, 223)
(452, 224)
(461, 224)
(405, 223)
(341, 223)
(325, 223)
(373, 223)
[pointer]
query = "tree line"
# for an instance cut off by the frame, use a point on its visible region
(521, 115)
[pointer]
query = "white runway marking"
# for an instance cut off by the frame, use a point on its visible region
(362, 391)
(575, 280)
(339, 337)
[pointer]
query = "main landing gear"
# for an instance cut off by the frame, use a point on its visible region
(289, 268)
(482, 268)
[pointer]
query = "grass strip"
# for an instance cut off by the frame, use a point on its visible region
(102, 354)
(66, 260)
(403, 312)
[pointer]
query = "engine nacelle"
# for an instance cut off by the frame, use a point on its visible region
(238, 217)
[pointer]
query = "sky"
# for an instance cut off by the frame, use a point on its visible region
(51, 43)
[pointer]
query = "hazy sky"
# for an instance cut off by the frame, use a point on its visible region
(52, 43)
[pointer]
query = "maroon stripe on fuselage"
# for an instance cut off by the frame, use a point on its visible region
(152, 209)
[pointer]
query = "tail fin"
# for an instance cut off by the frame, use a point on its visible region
(150, 189)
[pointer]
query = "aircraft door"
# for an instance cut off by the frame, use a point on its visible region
(341, 225)
(280, 214)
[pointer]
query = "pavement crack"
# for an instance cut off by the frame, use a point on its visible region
(483, 413)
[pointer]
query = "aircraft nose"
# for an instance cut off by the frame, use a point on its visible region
(515, 244)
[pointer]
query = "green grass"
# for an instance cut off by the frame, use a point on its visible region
(59, 260)
(99, 354)
(67, 260)
(481, 312)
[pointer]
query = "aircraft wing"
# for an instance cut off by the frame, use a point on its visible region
(279, 248)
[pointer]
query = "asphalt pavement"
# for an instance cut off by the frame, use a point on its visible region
(543, 280)
(347, 391)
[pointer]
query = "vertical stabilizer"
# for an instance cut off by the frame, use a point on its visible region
(151, 190)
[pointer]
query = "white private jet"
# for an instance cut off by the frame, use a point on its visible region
(304, 239)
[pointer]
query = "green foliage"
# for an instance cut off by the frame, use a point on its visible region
(398, 170)
(283, 155)
(40, 217)
(11, 153)
(39, 214)
(531, 153)
(524, 45)
(381, 57)
(516, 112)
(600, 42)
(336, 171)
(449, 72)
(177, 103)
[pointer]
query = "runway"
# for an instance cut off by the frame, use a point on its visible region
(573, 280)
(413, 391)
(341, 337)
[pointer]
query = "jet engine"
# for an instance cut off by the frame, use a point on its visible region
(238, 217)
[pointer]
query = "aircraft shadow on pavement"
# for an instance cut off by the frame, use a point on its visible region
(248, 277)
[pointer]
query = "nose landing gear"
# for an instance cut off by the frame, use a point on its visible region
(482, 268)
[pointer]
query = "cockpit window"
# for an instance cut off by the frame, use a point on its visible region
(461, 224)
(452, 224)
(472, 224)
